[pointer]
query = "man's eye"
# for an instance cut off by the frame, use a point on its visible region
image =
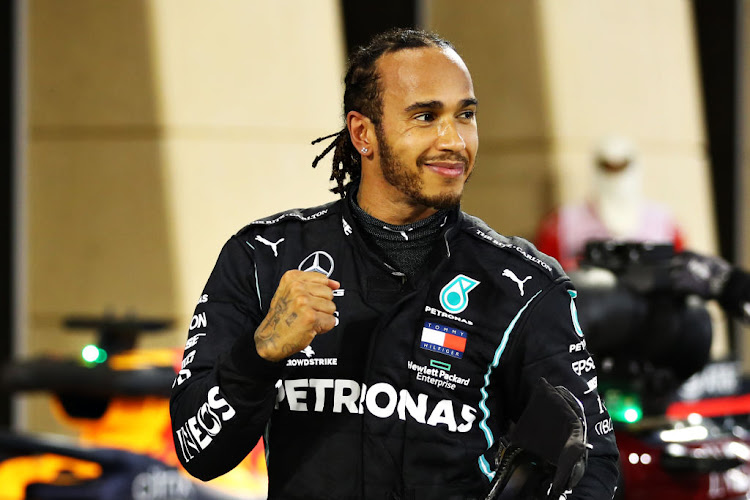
(425, 117)
(468, 115)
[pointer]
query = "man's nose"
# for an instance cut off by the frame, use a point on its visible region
(449, 137)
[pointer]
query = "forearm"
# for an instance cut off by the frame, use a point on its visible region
(224, 393)
(551, 345)
(218, 416)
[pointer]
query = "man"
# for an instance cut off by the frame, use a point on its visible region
(382, 344)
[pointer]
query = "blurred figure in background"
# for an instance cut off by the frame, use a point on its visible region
(615, 210)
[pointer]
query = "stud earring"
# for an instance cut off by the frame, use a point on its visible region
(365, 150)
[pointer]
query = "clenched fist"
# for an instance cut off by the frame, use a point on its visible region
(301, 308)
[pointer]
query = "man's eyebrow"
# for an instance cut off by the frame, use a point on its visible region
(436, 105)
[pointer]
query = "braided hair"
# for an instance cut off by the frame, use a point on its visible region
(363, 93)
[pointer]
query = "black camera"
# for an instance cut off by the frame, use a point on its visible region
(635, 323)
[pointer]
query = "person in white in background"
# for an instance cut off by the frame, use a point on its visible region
(616, 209)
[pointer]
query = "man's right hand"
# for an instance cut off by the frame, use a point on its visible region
(301, 308)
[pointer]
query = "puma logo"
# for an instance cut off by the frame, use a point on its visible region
(510, 274)
(270, 244)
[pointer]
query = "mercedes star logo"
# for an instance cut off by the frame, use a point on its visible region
(319, 261)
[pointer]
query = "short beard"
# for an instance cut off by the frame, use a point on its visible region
(410, 182)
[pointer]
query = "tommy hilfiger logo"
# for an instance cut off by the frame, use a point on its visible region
(443, 339)
(454, 297)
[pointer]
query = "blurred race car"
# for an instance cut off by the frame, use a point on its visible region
(117, 399)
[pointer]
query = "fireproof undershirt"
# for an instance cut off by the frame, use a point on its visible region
(407, 246)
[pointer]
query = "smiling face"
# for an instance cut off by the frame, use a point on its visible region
(427, 136)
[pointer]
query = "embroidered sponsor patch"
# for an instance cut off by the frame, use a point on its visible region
(443, 339)
(454, 297)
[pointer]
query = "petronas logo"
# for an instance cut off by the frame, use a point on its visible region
(454, 297)
(574, 313)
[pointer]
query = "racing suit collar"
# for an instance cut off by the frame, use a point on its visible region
(440, 253)
(453, 213)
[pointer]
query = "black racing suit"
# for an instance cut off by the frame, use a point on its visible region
(408, 394)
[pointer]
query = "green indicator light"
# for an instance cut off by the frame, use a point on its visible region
(623, 406)
(440, 364)
(93, 354)
(632, 415)
(90, 353)
(102, 357)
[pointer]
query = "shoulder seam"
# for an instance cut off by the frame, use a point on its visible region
(479, 230)
(296, 214)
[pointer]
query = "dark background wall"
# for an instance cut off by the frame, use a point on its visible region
(716, 27)
(7, 213)
(362, 20)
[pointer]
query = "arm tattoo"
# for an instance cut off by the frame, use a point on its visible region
(279, 309)
(290, 319)
(266, 335)
(290, 349)
(266, 338)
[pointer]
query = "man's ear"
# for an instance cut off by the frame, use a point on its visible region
(361, 132)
